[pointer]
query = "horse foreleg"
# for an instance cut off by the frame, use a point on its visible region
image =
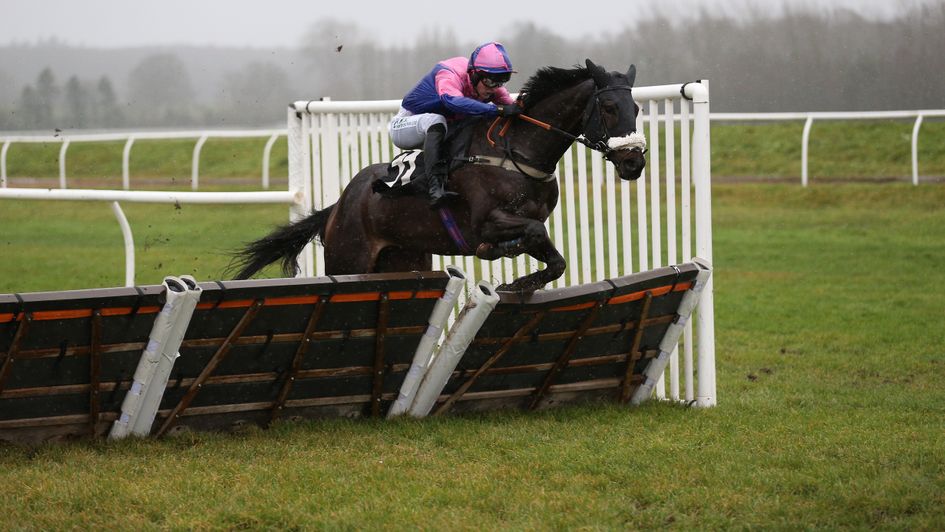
(529, 236)
(554, 267)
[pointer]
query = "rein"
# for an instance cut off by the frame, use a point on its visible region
(599, 146)
(596, 146)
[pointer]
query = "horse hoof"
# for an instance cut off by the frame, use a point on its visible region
(488, 251)
(519, 288)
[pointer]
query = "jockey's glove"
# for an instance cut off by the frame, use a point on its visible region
(509, 110)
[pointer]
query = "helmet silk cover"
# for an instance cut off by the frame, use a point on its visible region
(492, 58)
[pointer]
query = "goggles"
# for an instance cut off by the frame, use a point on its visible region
(494, 81)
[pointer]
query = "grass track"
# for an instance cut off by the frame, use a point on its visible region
(831, 358)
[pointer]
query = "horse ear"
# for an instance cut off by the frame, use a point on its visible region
(632, 74)
(597, 72)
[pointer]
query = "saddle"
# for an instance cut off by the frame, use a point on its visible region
(405, 173)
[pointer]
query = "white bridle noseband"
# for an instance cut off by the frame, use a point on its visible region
(633, 141)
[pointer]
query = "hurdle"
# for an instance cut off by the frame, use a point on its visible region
(159, 360)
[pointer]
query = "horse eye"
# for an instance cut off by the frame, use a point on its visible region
(609, 107)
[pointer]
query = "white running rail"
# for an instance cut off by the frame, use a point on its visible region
(202, 136)
(129, 139)
(809, 118)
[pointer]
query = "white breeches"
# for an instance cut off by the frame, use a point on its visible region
(408, 130)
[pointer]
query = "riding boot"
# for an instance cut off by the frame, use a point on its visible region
(436, 166)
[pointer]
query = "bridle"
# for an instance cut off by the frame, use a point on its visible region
(599, 145)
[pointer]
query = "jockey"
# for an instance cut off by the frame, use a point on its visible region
(455, 88)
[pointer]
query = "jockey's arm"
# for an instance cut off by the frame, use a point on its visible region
(449, 88)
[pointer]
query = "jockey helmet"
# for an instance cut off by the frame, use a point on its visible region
(492, 62)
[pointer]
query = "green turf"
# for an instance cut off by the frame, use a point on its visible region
(830, 333)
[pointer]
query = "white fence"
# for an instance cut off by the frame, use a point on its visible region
(129, 140)
(809, 118)
(202, 136)
(330, 141)
(292, 197)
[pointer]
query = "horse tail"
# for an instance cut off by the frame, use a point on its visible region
(285, 244)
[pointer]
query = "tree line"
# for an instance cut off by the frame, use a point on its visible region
(798, 61)
(159, 92)
(90, 105)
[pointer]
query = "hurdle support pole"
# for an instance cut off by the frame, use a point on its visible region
(427, 346)
(174, 292)
(482, 303)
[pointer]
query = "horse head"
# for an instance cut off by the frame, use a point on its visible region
(610, 121)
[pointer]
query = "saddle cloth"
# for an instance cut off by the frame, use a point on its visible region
(404, 169)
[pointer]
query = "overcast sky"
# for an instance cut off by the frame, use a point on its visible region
(266, 23)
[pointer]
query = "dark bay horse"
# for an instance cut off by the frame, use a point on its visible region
(504, 197)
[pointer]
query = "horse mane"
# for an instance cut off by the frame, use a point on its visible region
(550, 80)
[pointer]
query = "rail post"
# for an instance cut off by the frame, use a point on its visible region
(62, 163)
(805, 137)
(126, 163)
(195, 166)
(3, 164)
(267, 153)
(702, 177)
(915, 149)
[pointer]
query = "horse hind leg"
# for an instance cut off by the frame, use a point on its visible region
(349, 261)
(348, 250)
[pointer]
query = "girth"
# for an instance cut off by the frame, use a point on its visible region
(507, 164)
